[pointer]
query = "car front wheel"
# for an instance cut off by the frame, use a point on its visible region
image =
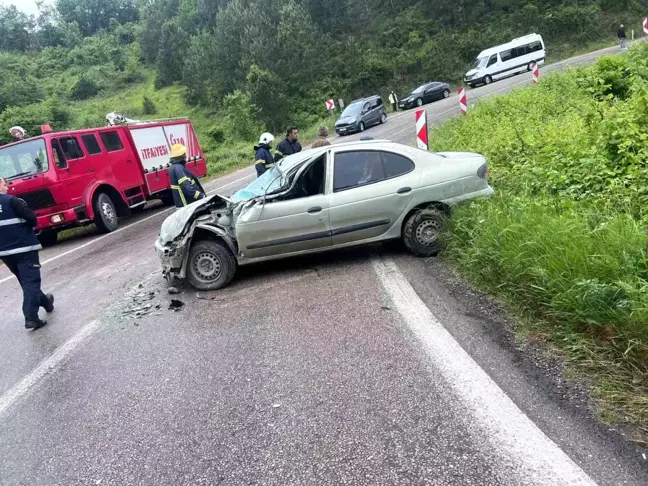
(361, 127)
(383, 118)
(211, 265)
(419, 102)
(422, 231)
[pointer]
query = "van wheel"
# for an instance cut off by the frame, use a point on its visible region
(361, 127)
(488, 80)
(211, 265)
(422, 231)
(105, 214)
(48, 238)
(530, 66)
(383, 118)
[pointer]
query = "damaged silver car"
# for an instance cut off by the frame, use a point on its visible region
(327, 198)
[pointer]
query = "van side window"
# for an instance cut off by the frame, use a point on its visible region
(91, 144)
(379, 102)
(59, 158)
(534, 47)
(492, 60)
(111, 141)
(506, 55)
(71, 148)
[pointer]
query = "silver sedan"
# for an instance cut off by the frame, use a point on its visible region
(322, 199)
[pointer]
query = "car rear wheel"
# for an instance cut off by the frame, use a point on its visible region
(488, 80)
(422, 231)
(361, 127)
(419, 102)
(383, 118)
(105, 214)
(211, 265)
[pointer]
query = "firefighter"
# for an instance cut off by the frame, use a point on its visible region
(263, 159)
(19, 252)
(184, 185)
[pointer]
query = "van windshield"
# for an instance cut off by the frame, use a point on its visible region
(352, 110)
(23, 159)
(481, 62)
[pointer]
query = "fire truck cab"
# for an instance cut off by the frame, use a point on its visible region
(96, 175)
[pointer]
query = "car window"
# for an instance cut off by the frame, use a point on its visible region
(111, 141)
(358, 168)
(71, 148)
(91, 144)
(366, 107)
(492, 60)
(396, 165)
(59, 159)
(379, 102)
(312, 181)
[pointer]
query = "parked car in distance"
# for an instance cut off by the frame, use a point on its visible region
(322, 199)
(499, 62)
(360, 115)
(426, 93)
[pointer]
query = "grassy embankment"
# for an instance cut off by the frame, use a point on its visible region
(563, 244)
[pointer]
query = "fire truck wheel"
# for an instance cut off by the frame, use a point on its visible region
(48, 238)
(105, 214)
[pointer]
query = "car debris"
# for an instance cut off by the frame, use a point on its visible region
(176, 305)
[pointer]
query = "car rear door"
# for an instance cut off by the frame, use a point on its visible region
(370, 191)
(298, 223)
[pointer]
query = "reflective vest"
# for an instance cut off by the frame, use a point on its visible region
(16, 236)
(184, 186)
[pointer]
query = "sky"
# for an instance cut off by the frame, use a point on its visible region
(27, 6)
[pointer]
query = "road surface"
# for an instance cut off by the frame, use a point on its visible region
(358, 367)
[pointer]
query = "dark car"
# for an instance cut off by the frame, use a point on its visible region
(425, 93)
(360, 115)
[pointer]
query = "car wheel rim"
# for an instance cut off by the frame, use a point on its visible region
(383, 118)
(362, 127)
(446, 94)
(108, 212)
(207, 266)
(427, 232)
(419, 102)
(488, 80)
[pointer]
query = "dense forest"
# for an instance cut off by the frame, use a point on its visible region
(266, 63)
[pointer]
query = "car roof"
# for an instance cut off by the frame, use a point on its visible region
(513, 43)
(361, 100)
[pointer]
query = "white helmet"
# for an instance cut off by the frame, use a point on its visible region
(17, 132)
(266, 138)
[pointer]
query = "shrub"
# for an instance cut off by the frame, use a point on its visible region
(148, 107)
(83, 89)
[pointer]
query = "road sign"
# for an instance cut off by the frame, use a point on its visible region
(330, 105)
(536, 73)
(645, 25)
(422, 130)
(463, 100)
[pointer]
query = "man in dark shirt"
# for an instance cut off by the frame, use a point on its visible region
(19, 252)
(622, 37)
(290, 145)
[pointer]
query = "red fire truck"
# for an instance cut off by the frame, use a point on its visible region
(96, 175)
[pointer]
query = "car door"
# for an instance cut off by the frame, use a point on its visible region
(493, 65)
(370, 191)
(429, 93)
(293, 222)
(73, 167)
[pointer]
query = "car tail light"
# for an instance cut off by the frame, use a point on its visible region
(483, 171)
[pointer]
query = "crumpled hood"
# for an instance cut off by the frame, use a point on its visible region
(174, 225)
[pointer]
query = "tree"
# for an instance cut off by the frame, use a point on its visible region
(15, 29)
(93, 15)
(170, 58)
(267, 94)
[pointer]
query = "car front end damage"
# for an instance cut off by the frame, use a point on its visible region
(212, 216)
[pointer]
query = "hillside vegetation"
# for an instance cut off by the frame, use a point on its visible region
(564, 242)
(252, 65)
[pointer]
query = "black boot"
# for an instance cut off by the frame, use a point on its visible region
(49, 308)
(35, 324)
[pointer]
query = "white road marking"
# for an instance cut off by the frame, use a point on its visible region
(514, 436)
(49, 365)
(124, 228)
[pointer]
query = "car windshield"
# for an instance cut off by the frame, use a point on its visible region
(419, 89)
(481, 62)
(23, 159)
(352, 110)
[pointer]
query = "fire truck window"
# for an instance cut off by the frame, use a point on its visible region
(71, 148)
(59, 159)
(111, 141)
(91, 144)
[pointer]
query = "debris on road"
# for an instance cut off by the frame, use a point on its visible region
(176, 305)
(173, 290)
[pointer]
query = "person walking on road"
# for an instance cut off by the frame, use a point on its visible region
(184, 185)
(263, 159)
(290, 144)
(393, 99)
(19, 252)
(322, 141)
(621, 34)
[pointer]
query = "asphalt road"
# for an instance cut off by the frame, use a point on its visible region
(357, 367)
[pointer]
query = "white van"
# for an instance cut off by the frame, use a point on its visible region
(512, 58)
